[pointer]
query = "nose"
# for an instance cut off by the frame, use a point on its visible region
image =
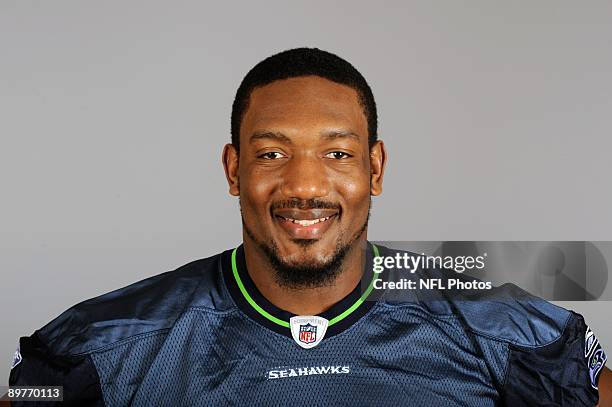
(304, 177)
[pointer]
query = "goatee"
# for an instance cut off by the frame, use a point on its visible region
(308, 274)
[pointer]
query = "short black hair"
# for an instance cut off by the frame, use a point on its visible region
(303, 62)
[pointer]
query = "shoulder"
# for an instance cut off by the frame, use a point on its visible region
(538, 353)
(506, 313)
(510, 314)
(146, 306)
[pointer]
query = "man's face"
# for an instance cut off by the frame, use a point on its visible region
(304, 174)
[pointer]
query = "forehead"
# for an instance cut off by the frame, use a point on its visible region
(304, 104)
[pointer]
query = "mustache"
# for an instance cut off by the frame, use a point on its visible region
(304, 204)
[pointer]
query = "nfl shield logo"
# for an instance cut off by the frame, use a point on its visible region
(308, 333)
(308, 330)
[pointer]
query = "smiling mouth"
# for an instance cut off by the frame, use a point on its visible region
(305, 222)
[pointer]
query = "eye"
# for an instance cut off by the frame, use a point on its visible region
(271, 155)
(338, 155)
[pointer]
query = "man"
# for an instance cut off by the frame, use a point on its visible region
(290, 316)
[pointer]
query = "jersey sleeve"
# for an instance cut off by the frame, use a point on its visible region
(564, 372)
(36, 365)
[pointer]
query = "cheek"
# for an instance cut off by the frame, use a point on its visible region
(256, 189)
(355, 191)
(354, 185)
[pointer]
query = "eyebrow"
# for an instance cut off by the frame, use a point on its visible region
(270, 135)
(280, 137)
(334, 134)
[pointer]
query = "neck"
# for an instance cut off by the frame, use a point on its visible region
(306, 301)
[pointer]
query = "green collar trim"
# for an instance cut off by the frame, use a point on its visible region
(285, 324)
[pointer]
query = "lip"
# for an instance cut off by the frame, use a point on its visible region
(288, 220)
(301, 214)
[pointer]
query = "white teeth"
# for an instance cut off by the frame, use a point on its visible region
(308, 222)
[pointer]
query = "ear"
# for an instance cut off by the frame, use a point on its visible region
(229, 157)
(378, 160)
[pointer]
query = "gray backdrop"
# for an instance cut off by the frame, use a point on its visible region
(497, 117)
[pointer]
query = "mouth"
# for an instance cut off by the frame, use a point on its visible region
(305, 224)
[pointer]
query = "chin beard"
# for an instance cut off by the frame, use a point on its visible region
(310, 274)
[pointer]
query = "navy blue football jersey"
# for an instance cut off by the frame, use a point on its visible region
(204, 335)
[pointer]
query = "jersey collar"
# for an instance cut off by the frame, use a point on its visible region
(249, 299)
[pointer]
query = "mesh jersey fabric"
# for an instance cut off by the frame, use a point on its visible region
(182, 338)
